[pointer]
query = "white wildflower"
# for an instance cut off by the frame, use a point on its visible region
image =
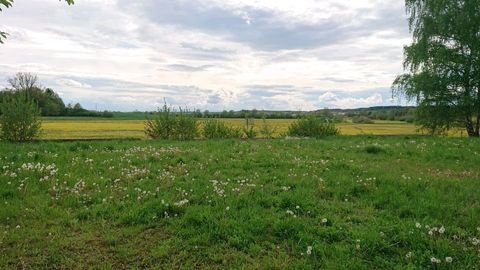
(435, 260)
(441, 230)
(309, 250)
(418, 225)
(181, 203)
(324, 220)
(449, 259)
(409, 255)
(475, 241)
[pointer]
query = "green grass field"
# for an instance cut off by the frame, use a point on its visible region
(348, 202)
(91, 128)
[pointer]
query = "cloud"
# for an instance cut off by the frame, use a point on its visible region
(209, 54)
(344, 100)
(72, 83)
(336, 80)
(187, 68)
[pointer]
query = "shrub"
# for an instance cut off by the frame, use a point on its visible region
(170, 125)
(20, 118)
(249, 130)
(312, 127)
(266, 130)
(362, 120)
(215, 129)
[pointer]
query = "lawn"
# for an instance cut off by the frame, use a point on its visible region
(348, 202)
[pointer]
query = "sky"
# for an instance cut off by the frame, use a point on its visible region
(212, 55)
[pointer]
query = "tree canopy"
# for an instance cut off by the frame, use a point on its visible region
(7, 4)
(443, 63)
(46, 99)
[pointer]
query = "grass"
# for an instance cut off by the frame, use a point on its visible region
(353, 202)
(94, 128)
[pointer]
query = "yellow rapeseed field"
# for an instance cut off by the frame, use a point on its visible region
(65, 129)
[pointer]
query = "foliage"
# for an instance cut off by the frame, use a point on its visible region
(49, 102)
(362, 120)
(267, 130)
(216, 129)
(314, 127)
(168, 124)
(20, 118)
(443, 64)
(249, 128)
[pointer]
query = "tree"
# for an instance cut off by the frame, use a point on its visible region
(48, 101)
(23, 81)
(20, 118)
(7, 4)
(443, 64)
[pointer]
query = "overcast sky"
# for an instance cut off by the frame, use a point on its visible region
(209, 54)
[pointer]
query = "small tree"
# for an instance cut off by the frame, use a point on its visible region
(249, 128)
(312, 127)
(216, 129)
(20, 118)
(266, 130)
(168, 124)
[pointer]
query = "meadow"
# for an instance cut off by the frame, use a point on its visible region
(346, 202)
(93, 128)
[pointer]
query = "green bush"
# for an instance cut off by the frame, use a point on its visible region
(266, 130)
(215, 129)
(20, 118)
(312, 127)
(362, 120)
(171, 125)
(249, 130)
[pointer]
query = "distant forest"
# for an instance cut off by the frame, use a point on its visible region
(51, 104)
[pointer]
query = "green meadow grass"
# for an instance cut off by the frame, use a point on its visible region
(338, 203)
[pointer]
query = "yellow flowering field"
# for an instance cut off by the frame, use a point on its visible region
(66, 129)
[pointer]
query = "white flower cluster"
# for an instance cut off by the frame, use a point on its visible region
(436, 231)
(475, 241)
(181, 203)
(218, 187)
(290, 212)
(46, 170)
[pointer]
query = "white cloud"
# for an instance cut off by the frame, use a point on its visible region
(222, 45)
(72, 83)
(334, 101)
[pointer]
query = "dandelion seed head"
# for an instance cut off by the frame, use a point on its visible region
(409, 255)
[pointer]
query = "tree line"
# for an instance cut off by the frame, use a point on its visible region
(47, 100)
